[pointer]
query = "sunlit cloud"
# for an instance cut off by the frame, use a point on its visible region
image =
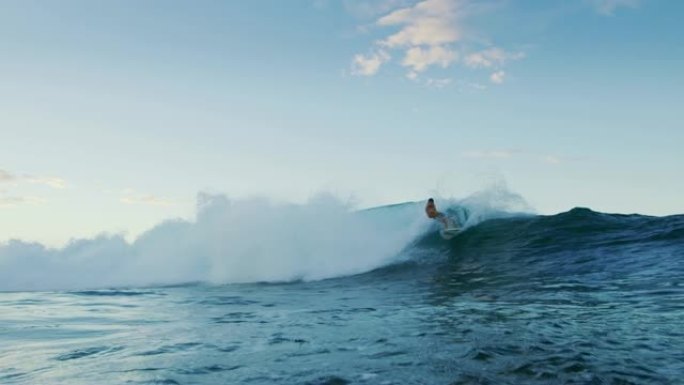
(429, 34)
(418, 59)
(50, 181)
(368, 65)
(11, 182)
(426, 30)
(430, 23)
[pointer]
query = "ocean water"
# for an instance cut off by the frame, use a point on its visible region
(576, 298)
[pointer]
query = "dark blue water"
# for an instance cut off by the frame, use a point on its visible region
(576, 298)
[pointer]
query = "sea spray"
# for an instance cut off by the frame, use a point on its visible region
(230, 241)
(495, 200)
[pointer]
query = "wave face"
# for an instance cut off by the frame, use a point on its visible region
(562, 238)
(576, 242)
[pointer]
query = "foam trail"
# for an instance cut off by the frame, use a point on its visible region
(230, 241)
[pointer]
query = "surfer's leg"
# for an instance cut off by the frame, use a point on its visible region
(442, 218)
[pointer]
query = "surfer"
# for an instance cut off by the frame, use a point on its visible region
(432, 213)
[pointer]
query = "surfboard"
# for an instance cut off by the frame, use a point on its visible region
(449, 232)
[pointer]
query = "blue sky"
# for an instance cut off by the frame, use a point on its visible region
(114, 115)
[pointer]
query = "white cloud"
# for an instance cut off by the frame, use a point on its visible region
(428, 34)
(369, 65)
(50, 181)
(14, 201)
(608, 7)
(491, 57)
(430, 22)
(14, 180)
(427, 29)
(418, 59)
(497, 77)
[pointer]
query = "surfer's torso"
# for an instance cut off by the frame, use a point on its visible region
(431, 210)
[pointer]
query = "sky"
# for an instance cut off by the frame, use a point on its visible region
(115, 115)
